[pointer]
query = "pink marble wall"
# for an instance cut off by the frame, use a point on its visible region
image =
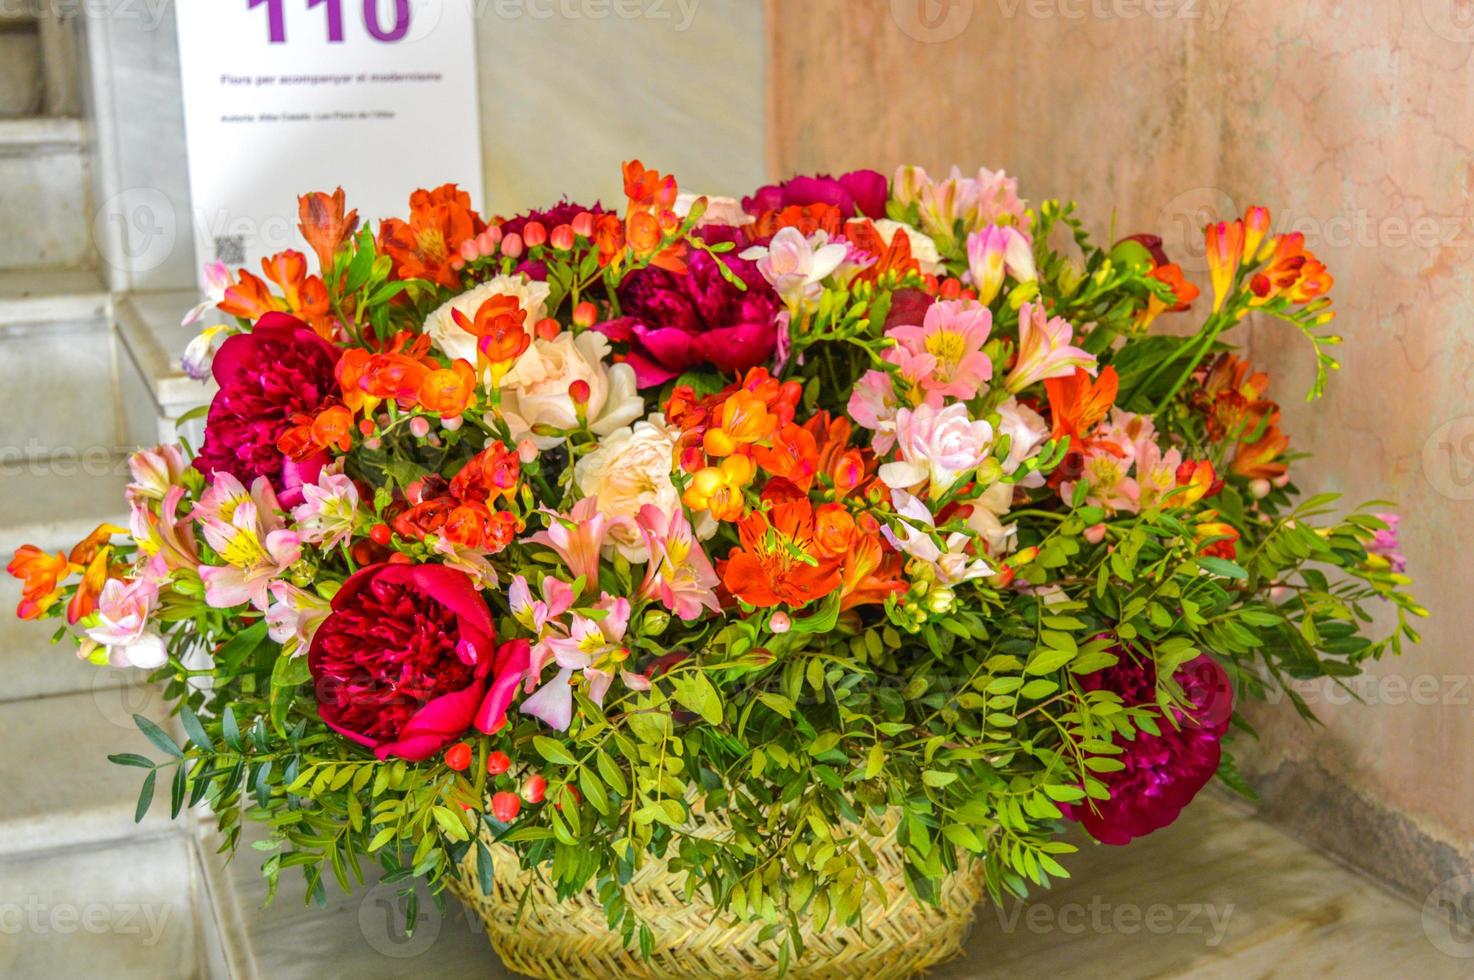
(1354, 121)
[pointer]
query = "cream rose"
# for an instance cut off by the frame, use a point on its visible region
(454, 342)
(923, 249)
(535, 391)
(631, 468)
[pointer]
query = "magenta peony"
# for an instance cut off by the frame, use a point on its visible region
(405, 663)
(1163, 772)
(676, 322)
(278, 370)
(860, 191)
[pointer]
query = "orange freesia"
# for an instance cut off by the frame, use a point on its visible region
(500, 325)
(351, 369)
(449, 391)
(647, 189)
(793, 456)
(424, 246)
(718, 489)
(325, 225)
(1077, 404)
(1256, 227)
(493, 472)
(743, 421)
(331, 428)
(1225, 252)
(41, 575)
(93, 556)
(835, 530)
(462, 510)
(779, 561)
(608, 238)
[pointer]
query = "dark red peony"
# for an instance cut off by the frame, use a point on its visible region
(278, 370)
(862, 191)
(406, 662)
(1163, 772)
(675, 322)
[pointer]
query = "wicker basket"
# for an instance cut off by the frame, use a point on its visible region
(570, 940)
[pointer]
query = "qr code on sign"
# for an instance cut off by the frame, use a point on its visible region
(230, 249)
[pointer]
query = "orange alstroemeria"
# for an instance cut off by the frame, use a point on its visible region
(779, 561)
(807, 218)
(1078, 405)
(449, 391)
(425, 246)
(871, 571)
(94, 577)
(1260, 459)
(250, 298)
(1225, 547)
(41, 575)
(325, 225)
(1196, 480)
(893, 258)
(793, 456)
(1225, 253)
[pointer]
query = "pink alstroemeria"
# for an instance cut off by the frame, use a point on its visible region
(1156, 475)
(294, 617)
(944, 355)
(1105, 474)
(154, 471)
(122, 625)
(166, 540)
(992, 252)
(1026, 431)
(679, 574)
(949, 559)
(535, 614)
(873, 405)
(937, 446)
(579, 537)
(1044, 349)
(796, 266)
(328, 511)
(247, 531)
(990, 198)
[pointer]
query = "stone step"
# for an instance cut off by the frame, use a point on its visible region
(156, 391)
(22, 78)
(60, 789)
(37, 296)
(43, 193)
(133, 908)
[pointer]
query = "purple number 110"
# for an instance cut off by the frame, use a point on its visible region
(277, 21)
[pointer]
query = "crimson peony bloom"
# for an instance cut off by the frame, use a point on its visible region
(279, 370)
(675, 322)
(1163, 772)
(862, 191)
(405, 663)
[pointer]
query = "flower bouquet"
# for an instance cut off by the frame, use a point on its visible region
(725, 588)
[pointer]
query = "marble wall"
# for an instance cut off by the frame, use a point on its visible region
(1353, 121)
(569, 88)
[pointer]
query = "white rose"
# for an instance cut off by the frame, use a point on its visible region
(454, 342)
(535, 390)
(631, 467)
(923, 249)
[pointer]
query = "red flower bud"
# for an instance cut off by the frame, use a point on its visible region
(380, 534)
(458, 756)
(498, 763)
(534, 233)
(585, 314)
(562, 238)
(583, 224)
(534, 788)
(578, 390)
(547, 328)
(505, 806)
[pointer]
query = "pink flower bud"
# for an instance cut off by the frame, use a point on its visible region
(470, 249)
(534, 233)
(452, 424)
(562, 238)
(1095, 533)
(583, 224)
(527, 450)
(419, 426)
(780, 623)
(512, 246)
(585, 314)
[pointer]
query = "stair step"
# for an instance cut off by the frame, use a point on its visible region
(43, 193)
(60, 789)
(22, 84)
(156, 391)
(134, 908)
(50, 295)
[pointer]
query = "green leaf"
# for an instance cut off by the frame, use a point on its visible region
(1222, 566)
(158, 736)
(936, 778)
(553, 751)
(696, 692)
(145, 796)
(193, 728)
(235, 651)
(131, 759)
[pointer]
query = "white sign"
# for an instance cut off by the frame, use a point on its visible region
(282, 97)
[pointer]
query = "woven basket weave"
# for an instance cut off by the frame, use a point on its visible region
(570, 940)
